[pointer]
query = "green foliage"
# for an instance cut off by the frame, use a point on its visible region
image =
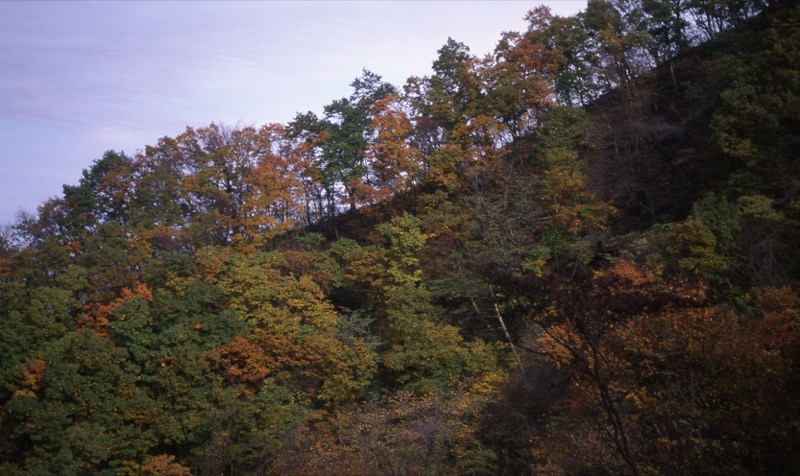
(80, 410)
(404, 241)
(721, 237)
(696, 246)
(754, 126)
(245, 433)
(101, 196)
(311, 241)
(574, 211)
(563, 127)
(422, 353)
(28, 326)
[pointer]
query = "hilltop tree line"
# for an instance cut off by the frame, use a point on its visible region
(573, 255)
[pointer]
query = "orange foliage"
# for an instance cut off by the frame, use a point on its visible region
(31, 379)
(780, 325)
(393, 163)
(244, 364)
(164, 465)
(5, 268)
(97, 315)
(275, 180)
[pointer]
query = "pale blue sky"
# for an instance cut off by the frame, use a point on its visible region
(80, 78)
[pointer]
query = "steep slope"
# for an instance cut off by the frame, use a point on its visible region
(718, 118)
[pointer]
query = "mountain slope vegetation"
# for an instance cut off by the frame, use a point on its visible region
(576, 254)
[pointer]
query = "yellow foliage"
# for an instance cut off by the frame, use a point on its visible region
(164, 465)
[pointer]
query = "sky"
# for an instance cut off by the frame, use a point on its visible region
(81, 78)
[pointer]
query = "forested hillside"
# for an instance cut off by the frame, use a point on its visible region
(576, 254)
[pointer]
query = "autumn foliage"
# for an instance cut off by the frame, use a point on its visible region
(576, 254)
